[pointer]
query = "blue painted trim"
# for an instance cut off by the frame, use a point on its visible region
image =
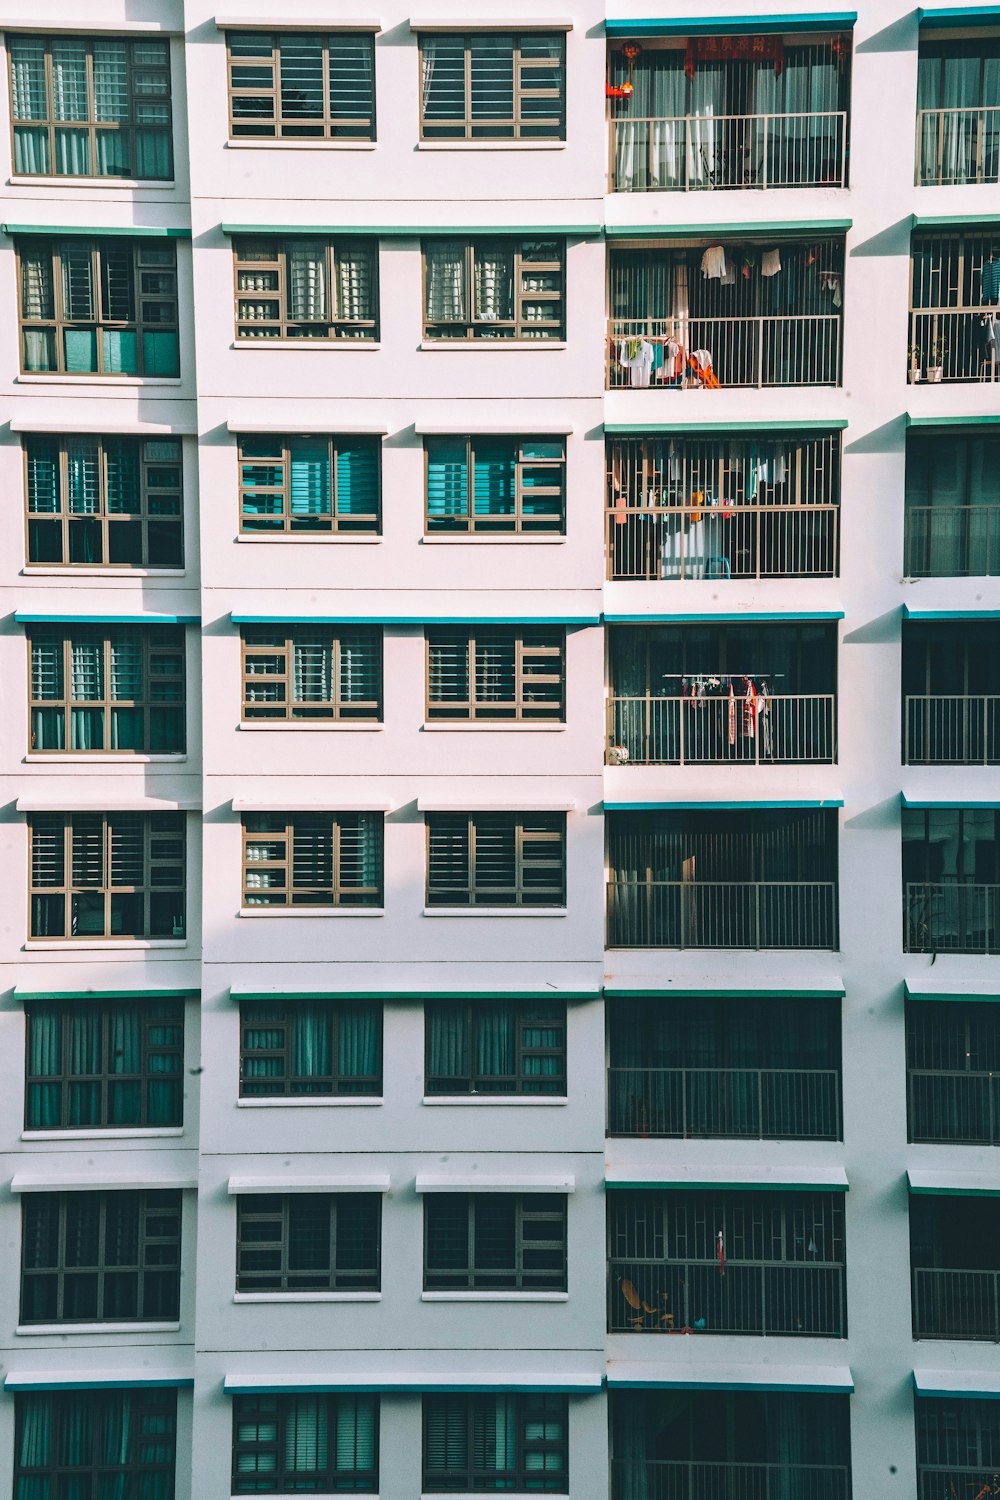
(16, 1382)
(22, 617)
(132, 232)
(684, 804)
(433, 1386)
(798, 1185)
(830, 20)
(794, 424)
(418, 231)
(520, 619)
(982, 997)
(665, 1384)
(498, 993)
(935, 18)
(923, 803)
(768, 230)
(786, 617)
(950, 614)
(125, 994)
(627, 992)
(971, 1393)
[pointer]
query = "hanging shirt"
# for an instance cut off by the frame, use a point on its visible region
(732, 715)
(750, 710)
(639, 364)
(713, 263)
(770, 263)
(990, 282)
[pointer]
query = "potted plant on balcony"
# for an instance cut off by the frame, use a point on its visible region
(913, 368)
(935, 369)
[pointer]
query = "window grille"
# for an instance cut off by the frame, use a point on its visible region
(496, 673)
(98, 690)
(114, 875)
(494, 289)
(301, 288)
(493, 86)
(496, 859)
(303, 486)
(312, 859)
(299, 86)
(299, 672)
(487, 486)
(308, 1242)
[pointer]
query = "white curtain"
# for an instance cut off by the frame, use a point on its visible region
(307, 281)
(445, 282)
(494, 284)
(352, 283)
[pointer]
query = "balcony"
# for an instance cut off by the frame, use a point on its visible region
(952, 508)
(765, 1069)
(958, 1447)
(958, 110)
(954, 299)
(766, 315)
(953, 1073)
(721, 112)
(665, 1445)
(951, 879)
(955, 1267)
(951, 693)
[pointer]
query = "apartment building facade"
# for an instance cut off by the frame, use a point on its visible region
(502, 824)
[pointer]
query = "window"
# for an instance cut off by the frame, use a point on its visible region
(489, 486)
(493, 86)
(98, 307)
(113, 875)
(958, 1445)
(90, 107)
(105, 1065)
(312, 673)
(301, 1047)
(496, 859)
(312, 859)
(951, 879)
(495, 673)
(489, 1442)
(957, 110)
(495, 1046)
(100, 1257)
(487, 1242)
(309, 1242)
(953, 1072)
(300, 86)
(324, 1444)
(306, 289)
(104, 502)
(493, 289)
(107, 690)
(83, 1443)
(951, 516)
(307, 485)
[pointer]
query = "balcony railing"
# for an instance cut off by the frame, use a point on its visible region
(682, 153)
(958, 146)
(734, 541)
(774, 350)
(951, 918)
(956, 1304)
(954, 730)
(954, 1108)
(722, 914)
(952, 541)
(683, 1479)
(755, 1103)
(796, 728)
(953, 341)
(935, 1481)
(756, 1297)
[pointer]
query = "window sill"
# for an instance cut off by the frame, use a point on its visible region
(364, 538)
(455, 145)
(104, 382)
(494, 1296)
(495, 911)
(127, 1133)
(248, 143)
(483, 538)
(282, 1297)
(41, 1330)
(146, 183)
(315, 1101)
(100, 945)
(481, 1100)
(493, 344)
(359, 346)
(100, 758)
(36, 570)
(497, 726)
(311, 911)
(333, 726)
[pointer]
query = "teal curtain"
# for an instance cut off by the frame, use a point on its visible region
(355, 1421)
(311, 1041)
(44, 1063)
(310, 477)
(357, 473)
(496, 1042)
(447, 1039)
(83, 1065)
(34, 1448)
(360, 1041)
(494, 479)
(447, 480)
(307, 1435)
(125, 1056)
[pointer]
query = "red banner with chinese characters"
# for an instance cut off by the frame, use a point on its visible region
(734, 49)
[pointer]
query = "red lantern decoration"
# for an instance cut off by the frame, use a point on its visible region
(631, 51)
(618, 90)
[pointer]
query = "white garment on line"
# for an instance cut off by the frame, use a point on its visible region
(770, 263)
(713, 263)
(640, 364)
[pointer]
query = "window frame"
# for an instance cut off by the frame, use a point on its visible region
(338, 892)
(152, 1014)
(524, 1016)
(151, 1437)
(155, 654)
(94, 127)
(527, 1212)
(60, 323)
(518, 709)
(154, 827)
(521, 328)
(294, 711)
(152, 1206)
(473, 524)
(529, 1406)
(320, 127)
(307, 527)
(489, 129)
(338, 1081)
(108, 521)
(282, 329)
(523, 839)
(278, 1407)
(277, 1211)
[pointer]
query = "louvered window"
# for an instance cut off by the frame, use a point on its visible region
(304, 485)
(284, 1444)
(495, 1046)
(104, 502)
(490, 486)
(298, 1047)
(82, 1444)
(493, 86)
(312, 859)
(493, 1441)
(118, 690)
(100, 1257)
(495, 673)
(308, 1242)
(114, 875)
(104, 1064)
(301, 86)
(301, 673)
(495, 1242)
(496, 859)
(98, 307)
(90, 107)
(303, 288)
(501, 288)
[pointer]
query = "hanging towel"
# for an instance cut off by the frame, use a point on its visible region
(639, 363)
(764, 719)
(728, 277)
(732, 715)
(830, 282)
(713, 263)
(770, 263)
(750, 710)
(990, 281)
